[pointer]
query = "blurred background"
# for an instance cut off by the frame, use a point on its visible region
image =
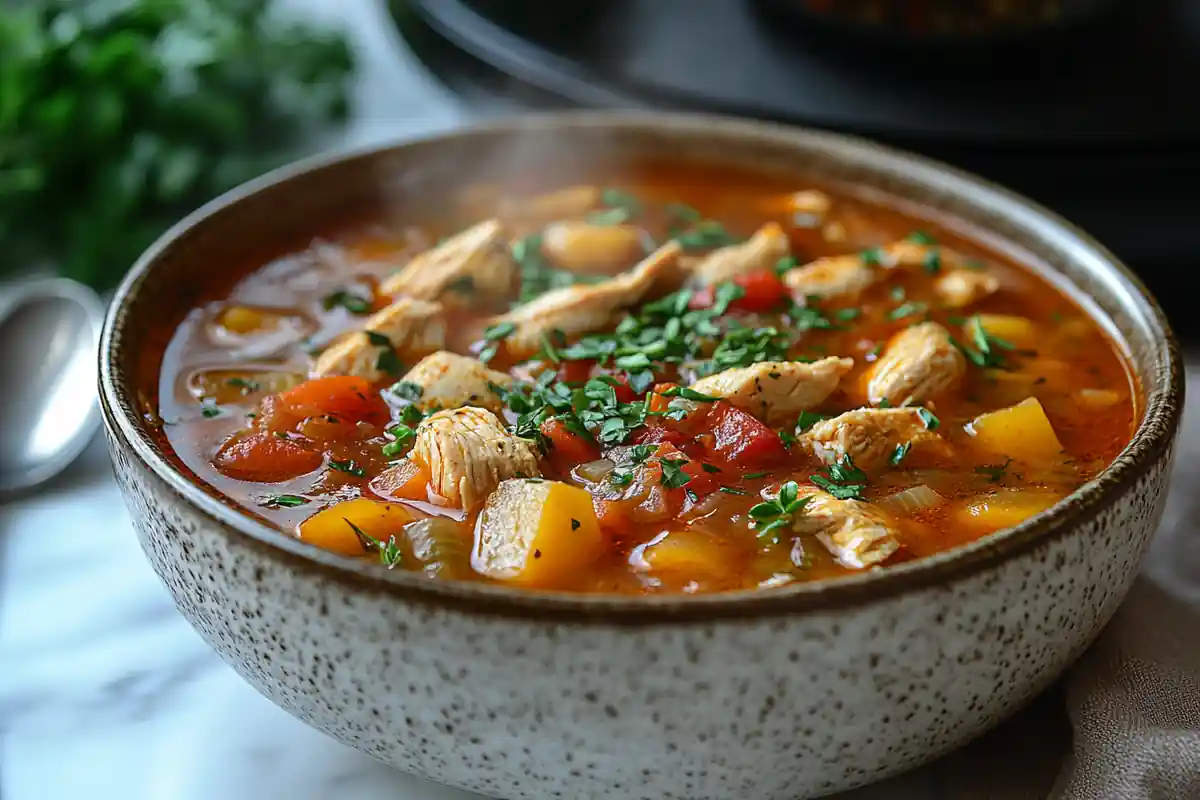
(118, 117)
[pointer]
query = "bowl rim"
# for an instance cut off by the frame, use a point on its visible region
(1153, 437)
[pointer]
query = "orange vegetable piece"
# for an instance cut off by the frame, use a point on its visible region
(340, 395)
(407, 480)
(330, 528)
(262, 457)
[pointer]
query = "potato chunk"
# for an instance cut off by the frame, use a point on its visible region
(331, 527)
(1022, 432)
(536, 532)
(468, 453)
(1003, 509)
(589, 249)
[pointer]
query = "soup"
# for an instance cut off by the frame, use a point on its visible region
(698, 381)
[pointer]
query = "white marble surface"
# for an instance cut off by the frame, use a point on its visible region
(105, 692)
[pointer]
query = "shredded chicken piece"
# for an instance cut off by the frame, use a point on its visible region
(857, 534)
(869, 436)
(479, 255)
(414, 328)
(468, 453)
(448, 380)
(578, 309)
(962, 287)
(777, 391)
(919, 363)
(834, 276)
(569, 203)
(809, 207)
(761, 251)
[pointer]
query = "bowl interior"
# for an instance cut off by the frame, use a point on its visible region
(202, 256)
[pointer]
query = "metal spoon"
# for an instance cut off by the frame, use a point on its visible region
(49, 332)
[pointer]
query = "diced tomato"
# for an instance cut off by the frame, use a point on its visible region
(739, 438)
(625, 392)
(659, 401)
(408, 480)
(262, 457)
(567, 448)
(340, 396)
(655, 431)
(575, 371)
(764, 291)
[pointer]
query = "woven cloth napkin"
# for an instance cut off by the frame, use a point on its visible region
(1124, 723)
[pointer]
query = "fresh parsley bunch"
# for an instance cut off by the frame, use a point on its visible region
(119, 116)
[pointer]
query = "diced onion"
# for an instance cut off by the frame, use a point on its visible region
(1099, 398)
(594, 471)
(910, 501)
(440, 547)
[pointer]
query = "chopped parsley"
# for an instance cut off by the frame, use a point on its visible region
(673, 476)
(807, 419)
(994, 472)
(689, 394)
(709, 467)
(769, 517)
(342, 298)
(404, 435)
(389, 552)
(985, 349)
(872, 257)
(843, 480)
(620, 207)
(537, 274)
(786, 264)
(927, 417)
(618, 478)
(932, 262)
(575, 524)
(492, 336)
(907, 310)
(704, 235)
(731, 490)
(209, 409)
(899, 453)
(407, 390)
(752, 475)
(921, 237)
(349, 466)
(284, 501)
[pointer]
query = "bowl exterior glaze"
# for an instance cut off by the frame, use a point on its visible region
(788, 694)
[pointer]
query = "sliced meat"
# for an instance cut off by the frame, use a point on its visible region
(835, 276)
(570, 203)
(919, 363)
(478, 256)
(448, 380)
(576, 310)
(962, 287)
(857, 534)
(468, 453)
(761, 251)
(409, 328)
(777, 391)
(869, 436)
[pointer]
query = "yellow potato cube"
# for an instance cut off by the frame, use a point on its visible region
(690, 553)
(537, 533)
(1022, 432)
(1019, 331)
(1003, 509)
(227, 386)
(333, 528)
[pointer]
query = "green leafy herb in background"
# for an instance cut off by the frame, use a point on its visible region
(119, 116)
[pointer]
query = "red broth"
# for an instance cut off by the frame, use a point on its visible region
(668, 420)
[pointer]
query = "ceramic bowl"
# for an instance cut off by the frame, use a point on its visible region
(788, 693)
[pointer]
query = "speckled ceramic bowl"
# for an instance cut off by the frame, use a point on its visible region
(788, 693)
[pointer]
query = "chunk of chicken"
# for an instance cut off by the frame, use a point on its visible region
(809, 208)
(569, 203)
(834, 276)
(869, 436)
(761, 251)
(962, 287)
(479, 255)
(777, 391)
(576, 310)
(857, 534)
(919, 363)
(409, 327)
(448, 380)
(468, 453)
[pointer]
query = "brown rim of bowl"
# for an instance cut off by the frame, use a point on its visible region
(1154, 435)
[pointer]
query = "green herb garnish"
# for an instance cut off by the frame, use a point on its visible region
(247, 386)
(844, 480)
(355, 304)
(899, 453)
(389, 551)
(927, 417)
(407, 390)
(807, 419)
(994, 472)
(349, 466)
(987, 348)
(673, 476)
(767, 518)
(284, 501)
